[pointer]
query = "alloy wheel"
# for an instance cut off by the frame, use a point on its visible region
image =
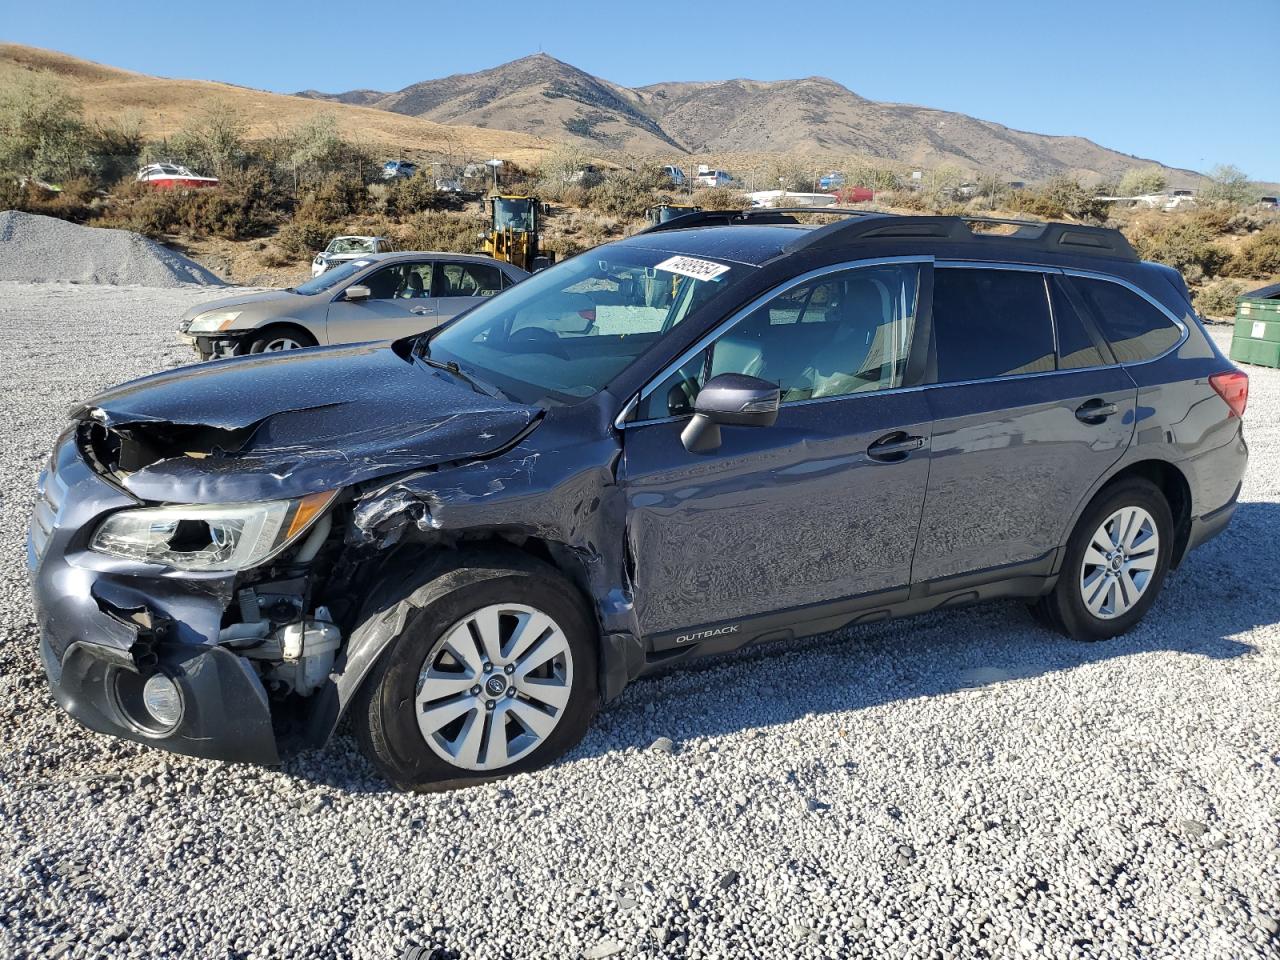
(1119, 562)
(494, 687)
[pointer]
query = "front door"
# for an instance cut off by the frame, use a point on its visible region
(1026, 419)
(822, 506)
(400, 304)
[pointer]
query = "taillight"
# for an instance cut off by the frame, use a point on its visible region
(1233, 387)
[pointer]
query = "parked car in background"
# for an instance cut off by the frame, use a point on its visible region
(727, 429)
(173, 176)
(832, 181)
(376, 297)
(398, 169)
(712, 178)
(1269, 203)
(344, 249)
(674, 174)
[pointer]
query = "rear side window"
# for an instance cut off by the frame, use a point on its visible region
(1135, 328)
(990, 323)
(1076, 347)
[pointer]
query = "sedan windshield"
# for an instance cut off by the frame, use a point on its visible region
(564, 333)
(331, 278)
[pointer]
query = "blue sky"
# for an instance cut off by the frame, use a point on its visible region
(1186, 83)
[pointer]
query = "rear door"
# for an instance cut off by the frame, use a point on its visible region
(461, 284)
(1028, 413)
(401, 304)
(820, 507)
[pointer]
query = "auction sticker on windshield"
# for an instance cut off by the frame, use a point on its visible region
(693, 267)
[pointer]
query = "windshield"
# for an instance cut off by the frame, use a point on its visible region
(515, 215)
(331, 278)
(352, 245)
(564, 333)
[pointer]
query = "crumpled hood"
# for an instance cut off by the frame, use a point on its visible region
(287, 424)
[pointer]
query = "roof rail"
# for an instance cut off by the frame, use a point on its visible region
(1059, 237)
(707, 218)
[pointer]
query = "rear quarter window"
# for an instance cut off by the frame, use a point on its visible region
(1136, 329)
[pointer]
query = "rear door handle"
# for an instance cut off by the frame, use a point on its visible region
(422, 311)
(894, 446)
(1095, 411)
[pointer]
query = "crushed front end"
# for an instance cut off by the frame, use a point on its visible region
(204, 663)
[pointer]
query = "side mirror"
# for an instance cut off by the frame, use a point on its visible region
(357, 292)
(730, 399)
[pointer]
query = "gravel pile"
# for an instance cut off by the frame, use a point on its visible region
(959, 785)
(37, 249)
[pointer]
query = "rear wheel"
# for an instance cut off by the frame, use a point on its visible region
(1115, 563)
(275, 339)
(492, 672)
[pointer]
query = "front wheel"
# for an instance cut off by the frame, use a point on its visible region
(275, 339)
(492, 672)
(1115, 563)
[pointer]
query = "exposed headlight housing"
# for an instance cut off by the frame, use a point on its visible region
(218, 537)
(214, 321)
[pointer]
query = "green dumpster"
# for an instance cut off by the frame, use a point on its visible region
(1257, 334)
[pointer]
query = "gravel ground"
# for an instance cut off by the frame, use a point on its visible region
(34, 248)
(958, 785)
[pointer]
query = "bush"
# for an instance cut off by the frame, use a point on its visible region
(1218, 299)
(1259, 256)
(335, 199)
(1184, 242)
(42, 131)
(413, 195)
(300, 239)
(211, 143)
(1142, 181)
(1060, 197)
(1228, 185)
(440, 230)
(719, 198)
(628, 194)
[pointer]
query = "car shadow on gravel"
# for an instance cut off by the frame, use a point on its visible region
(1223, 590)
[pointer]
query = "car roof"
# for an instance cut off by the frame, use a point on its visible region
(441, 255)
(749, 243)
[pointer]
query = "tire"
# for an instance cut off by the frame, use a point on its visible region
(1102, 593)
(275, 339)
(428, 673)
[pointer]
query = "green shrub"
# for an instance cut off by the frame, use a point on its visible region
(299, 239)
(412, 195)
(719, 198)
(1060, 197)
(1184, 242)
(334, 200)
(42, 130)
(1259, 255)
(627, 194)
(1142, 181)
(1218, 299)
(441, 230)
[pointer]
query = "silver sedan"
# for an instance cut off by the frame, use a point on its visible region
(378, 297)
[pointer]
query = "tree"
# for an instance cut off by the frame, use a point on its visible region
(42, 131)
(1227, 184)
(213, 141)
(1142, 181)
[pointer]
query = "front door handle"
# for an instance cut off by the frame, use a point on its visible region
(422, 311)
(1095, 411)
(893, 447)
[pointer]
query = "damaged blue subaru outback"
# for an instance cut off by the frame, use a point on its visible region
(729, 429)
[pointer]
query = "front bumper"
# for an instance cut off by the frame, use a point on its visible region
(107, 625)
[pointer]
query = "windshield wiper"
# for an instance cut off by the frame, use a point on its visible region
(479, 386)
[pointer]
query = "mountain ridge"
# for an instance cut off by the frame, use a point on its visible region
(547, 97)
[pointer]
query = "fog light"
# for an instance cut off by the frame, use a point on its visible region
(162, 700)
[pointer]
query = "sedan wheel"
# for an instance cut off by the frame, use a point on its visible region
(280, 343)
(1119, 562)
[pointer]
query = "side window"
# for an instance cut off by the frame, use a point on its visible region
(1076, 348)
(990, 323)
(841, 334)
(468, 280)
(1135, 328)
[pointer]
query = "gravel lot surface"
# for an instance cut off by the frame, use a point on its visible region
(956, 785)
(34, 248)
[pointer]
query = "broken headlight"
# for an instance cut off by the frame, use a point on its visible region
(214, 321)
(226, 536)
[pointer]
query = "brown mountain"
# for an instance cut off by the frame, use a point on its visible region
(543, 96)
